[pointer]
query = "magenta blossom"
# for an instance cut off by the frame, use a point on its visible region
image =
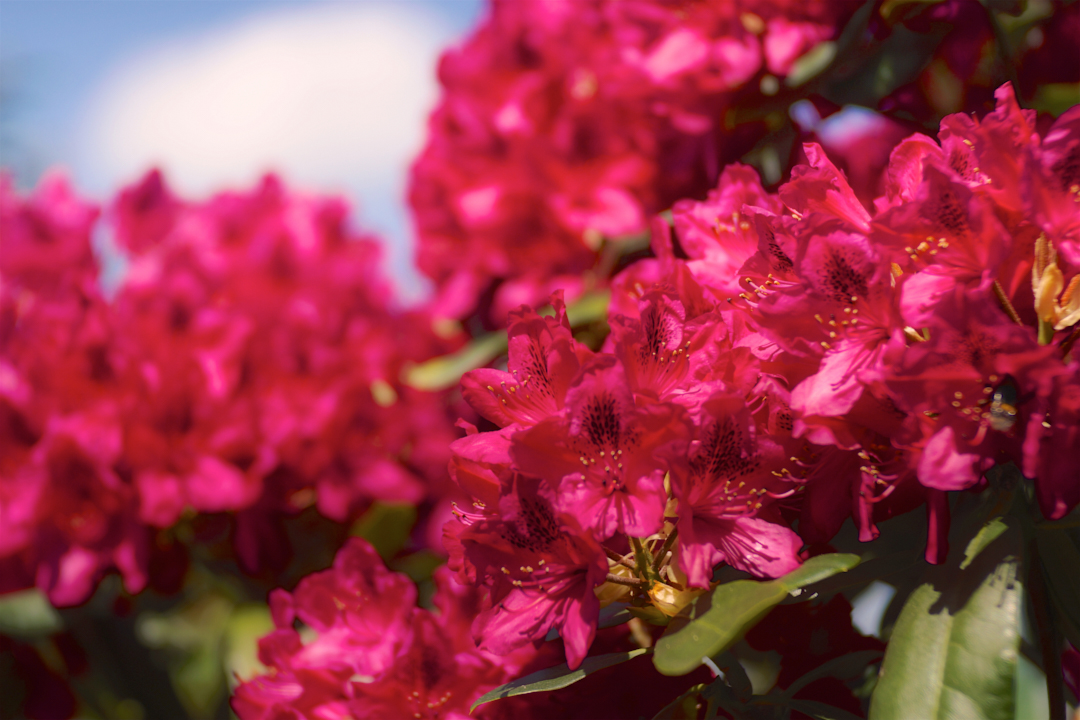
(601, 453)
(725, 481)
(540, 566)
(543, 360)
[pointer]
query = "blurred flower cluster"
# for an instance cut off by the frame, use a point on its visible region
(777, 280)
(564, 123)
(248, 364)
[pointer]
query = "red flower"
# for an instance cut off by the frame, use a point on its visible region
(724, 480)
(540, 566)
(601, 453)
(543, 360)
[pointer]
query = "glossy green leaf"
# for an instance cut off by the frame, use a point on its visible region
(891, 10)
(614, 614)
(734, 676)
(589, 308)
(712, 623)
(420, 566)
(817, 569)
(954, 649)
(557, 677)
(1056, 98)
(193, 633)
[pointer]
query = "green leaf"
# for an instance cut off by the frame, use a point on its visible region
(1010, 7)
(811, 64)
(28, 614)
(734, 679)
(989, 532)
(557, 677)
(712, 623)
(682, 707)
(844, 667)
(820, 710)
(589, 308)
(953, 652)
(193, 634)
(445, 372)
(614, 614)
(419, 566)
(1056, 98)
(817, 569)
(386, 526)
(1061, 559)
(892, 10)
(240, 655)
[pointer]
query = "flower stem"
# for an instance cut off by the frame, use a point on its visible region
(668, 542)
(629, 582)
(619, 559)
(643, 559)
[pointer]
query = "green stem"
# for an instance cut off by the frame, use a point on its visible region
(643, 559)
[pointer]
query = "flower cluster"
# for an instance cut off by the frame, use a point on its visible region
(249, 363)
(598, 451)
(565, 123)
(785, 356)
(896, 320)
(365, 650)
(353, 642)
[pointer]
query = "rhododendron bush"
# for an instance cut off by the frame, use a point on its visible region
(749, 322)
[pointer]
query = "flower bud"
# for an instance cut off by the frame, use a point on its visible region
(670, 600)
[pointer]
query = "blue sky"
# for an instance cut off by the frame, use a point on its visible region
(332, 95)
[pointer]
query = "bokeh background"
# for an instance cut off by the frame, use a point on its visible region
(333, 95)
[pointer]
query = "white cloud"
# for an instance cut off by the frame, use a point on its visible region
(333, 96)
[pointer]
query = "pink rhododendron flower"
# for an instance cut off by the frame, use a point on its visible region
(543, 359)
(722, 481)
(540, 566)
(601, 453)
(370, 651)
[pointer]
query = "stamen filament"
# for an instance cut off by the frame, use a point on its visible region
(1006, 305)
